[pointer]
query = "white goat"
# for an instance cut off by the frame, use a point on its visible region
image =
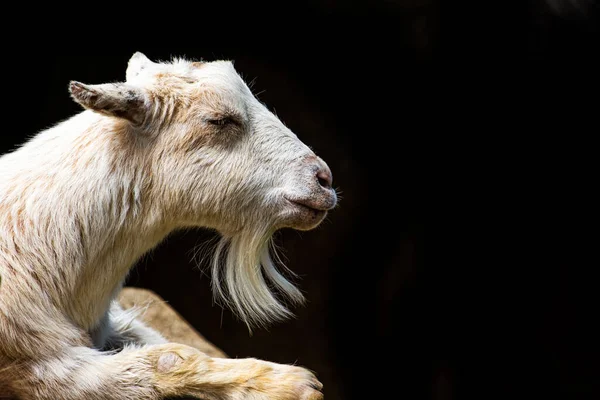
(179, 144)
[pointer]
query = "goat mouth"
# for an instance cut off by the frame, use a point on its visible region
(308, 206)
(304, 215)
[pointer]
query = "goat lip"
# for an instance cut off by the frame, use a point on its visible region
(308, 205)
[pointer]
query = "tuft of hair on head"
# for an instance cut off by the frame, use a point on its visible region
(244, 276)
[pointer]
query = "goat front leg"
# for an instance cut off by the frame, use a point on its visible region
(161, 371)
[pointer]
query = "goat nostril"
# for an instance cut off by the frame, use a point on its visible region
(324, 179)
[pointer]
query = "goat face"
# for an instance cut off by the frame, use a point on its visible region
(218, 158)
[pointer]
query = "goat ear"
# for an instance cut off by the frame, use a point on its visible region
(136, 64)
(115, 99)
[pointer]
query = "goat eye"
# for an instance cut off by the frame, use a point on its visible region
(221, 121)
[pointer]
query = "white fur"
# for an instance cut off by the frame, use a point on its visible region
(82, 201)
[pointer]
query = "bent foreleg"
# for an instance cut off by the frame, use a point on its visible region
(160, 371)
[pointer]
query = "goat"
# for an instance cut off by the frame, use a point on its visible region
(178, 144)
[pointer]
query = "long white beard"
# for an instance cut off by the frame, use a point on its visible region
(239, 267)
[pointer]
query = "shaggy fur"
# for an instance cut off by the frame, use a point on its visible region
(179, 144)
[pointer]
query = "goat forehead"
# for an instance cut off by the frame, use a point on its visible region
(221, 74)
(218, 74)
(222, 78)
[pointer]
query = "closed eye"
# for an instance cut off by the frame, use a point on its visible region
(222, 121)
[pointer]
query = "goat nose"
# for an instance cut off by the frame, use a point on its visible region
(324, 177)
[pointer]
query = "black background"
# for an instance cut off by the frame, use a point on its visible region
(423, 110)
